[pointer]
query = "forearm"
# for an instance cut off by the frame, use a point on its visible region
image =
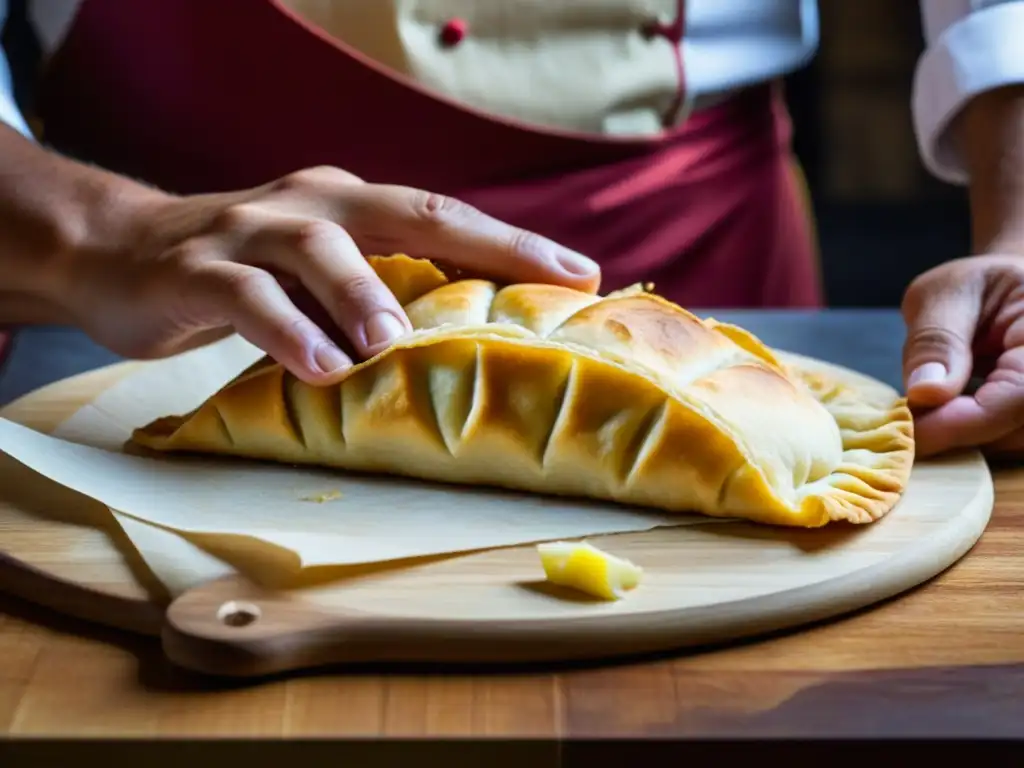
(54, 212)
(990, 136)
(968, 110)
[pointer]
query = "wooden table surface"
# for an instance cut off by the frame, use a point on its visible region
(944, 660)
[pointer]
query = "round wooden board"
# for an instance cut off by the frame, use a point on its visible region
(702, 584)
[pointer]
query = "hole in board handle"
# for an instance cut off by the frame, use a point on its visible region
(234, 614)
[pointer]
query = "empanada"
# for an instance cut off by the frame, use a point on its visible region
(625, 397)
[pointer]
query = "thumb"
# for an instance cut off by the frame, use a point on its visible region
(941, 319)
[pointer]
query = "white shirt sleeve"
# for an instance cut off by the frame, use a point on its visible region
(972, 46)
(9, 112)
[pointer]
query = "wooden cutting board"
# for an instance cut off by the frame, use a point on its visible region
(703, 584)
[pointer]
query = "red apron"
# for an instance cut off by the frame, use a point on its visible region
(199, 96)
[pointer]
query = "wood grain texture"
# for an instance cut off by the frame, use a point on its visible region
(942, 658)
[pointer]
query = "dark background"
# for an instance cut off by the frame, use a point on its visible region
(881, 218)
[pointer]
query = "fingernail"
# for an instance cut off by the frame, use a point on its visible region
(383, 328)
(330, 358)
(576, 263)
(927, 373)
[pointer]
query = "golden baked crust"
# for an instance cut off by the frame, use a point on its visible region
(625, 397)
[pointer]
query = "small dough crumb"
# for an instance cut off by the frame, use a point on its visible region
(320, 498)
(583, 567)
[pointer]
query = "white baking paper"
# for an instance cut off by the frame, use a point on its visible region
(194, 519)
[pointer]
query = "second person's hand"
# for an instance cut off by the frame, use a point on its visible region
(966, 318)
(197, 268)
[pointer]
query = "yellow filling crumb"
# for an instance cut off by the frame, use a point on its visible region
(582, 566)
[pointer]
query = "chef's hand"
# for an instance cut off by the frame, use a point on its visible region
(199, 268)
(966, 318)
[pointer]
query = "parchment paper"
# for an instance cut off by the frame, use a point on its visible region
(195, 519)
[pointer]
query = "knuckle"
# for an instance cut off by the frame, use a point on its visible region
(434, 209)
(245, 284)
(916, 293)
(235, 218)
(526, 243)
(314, 237)
(1016, 270)
(363, 291)
(188, 254)
(316, 177)
(935, 338)
(297, 329)
(300, 180)
(1011, 377)
(287, 333)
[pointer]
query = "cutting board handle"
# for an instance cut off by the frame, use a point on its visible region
(234, 627)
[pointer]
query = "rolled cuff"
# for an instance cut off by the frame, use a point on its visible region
(981, 51)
